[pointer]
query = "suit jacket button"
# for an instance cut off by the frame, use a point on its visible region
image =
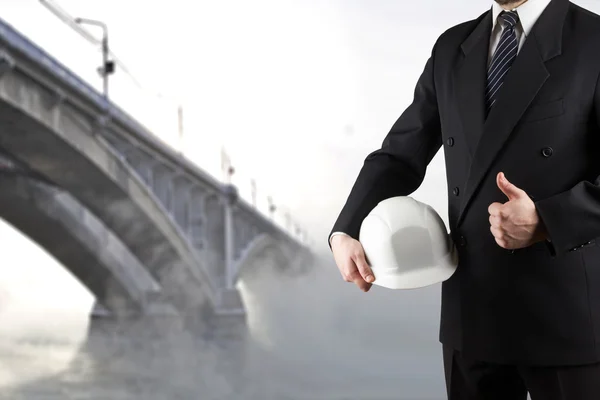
(547, 152)
(462, 242)
(450, 141)
(455, 191)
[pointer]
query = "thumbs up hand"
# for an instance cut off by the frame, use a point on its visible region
(516, 223)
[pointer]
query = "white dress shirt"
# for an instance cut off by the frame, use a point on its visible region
(529, 12)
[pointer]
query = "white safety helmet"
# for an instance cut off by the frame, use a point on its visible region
(407, 244)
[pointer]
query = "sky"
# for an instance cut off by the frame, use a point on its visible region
(298, 92)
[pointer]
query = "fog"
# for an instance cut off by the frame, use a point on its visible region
(299, 91)
(310, 337)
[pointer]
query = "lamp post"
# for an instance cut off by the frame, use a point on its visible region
(108, 66)
(272, 207)
(226, 166)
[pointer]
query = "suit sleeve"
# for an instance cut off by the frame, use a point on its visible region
(398, 167)
(572, 218)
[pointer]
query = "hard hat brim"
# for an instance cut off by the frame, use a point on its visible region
(392, 279)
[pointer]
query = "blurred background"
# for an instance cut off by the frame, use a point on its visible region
(230, 136)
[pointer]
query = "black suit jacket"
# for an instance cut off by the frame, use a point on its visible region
(539, 305)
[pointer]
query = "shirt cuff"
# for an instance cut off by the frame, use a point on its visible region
(336, 234)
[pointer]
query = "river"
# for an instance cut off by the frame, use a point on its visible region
(310, 337)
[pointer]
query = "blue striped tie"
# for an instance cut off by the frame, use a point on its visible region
(504, 56)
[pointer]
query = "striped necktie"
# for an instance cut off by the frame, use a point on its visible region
(503, 58)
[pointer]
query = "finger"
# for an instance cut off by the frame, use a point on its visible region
(364, 268)
(343, 265)
(501, 243)
(348, 277)
(352, 275)
(350, 272)
(495, 221)
(361, 283)
(494, 209)
(347, 268)
(364, 286)
(497, 232)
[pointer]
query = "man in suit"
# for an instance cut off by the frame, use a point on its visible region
(514, 98)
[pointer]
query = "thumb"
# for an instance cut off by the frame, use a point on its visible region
(509, 189)
(363, 267)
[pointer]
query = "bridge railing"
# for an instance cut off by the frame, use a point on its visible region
(106, 111)
(217, 223)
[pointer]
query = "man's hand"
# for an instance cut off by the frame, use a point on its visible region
(350, 258)
(516, 223)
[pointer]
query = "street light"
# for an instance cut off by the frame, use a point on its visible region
(108, 66)
(226, 167)
(272, 207)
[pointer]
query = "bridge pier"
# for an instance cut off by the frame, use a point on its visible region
(155, 238)
(165, 349)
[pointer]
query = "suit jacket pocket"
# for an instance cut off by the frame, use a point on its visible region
(537, 112)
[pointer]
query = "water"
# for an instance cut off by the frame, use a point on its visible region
(313, 337)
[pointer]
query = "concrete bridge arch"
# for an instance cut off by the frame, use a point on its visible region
(53, 219)
(191, 234)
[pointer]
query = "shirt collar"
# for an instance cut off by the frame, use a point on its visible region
(529, 12)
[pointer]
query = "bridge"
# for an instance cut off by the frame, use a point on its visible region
(147, 231)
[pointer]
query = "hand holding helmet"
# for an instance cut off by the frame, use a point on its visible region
(350, 258)
(403, 243)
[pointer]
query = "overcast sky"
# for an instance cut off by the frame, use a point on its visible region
(299, 91)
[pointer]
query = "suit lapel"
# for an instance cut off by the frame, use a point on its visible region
(524, 80)
(470, 79)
